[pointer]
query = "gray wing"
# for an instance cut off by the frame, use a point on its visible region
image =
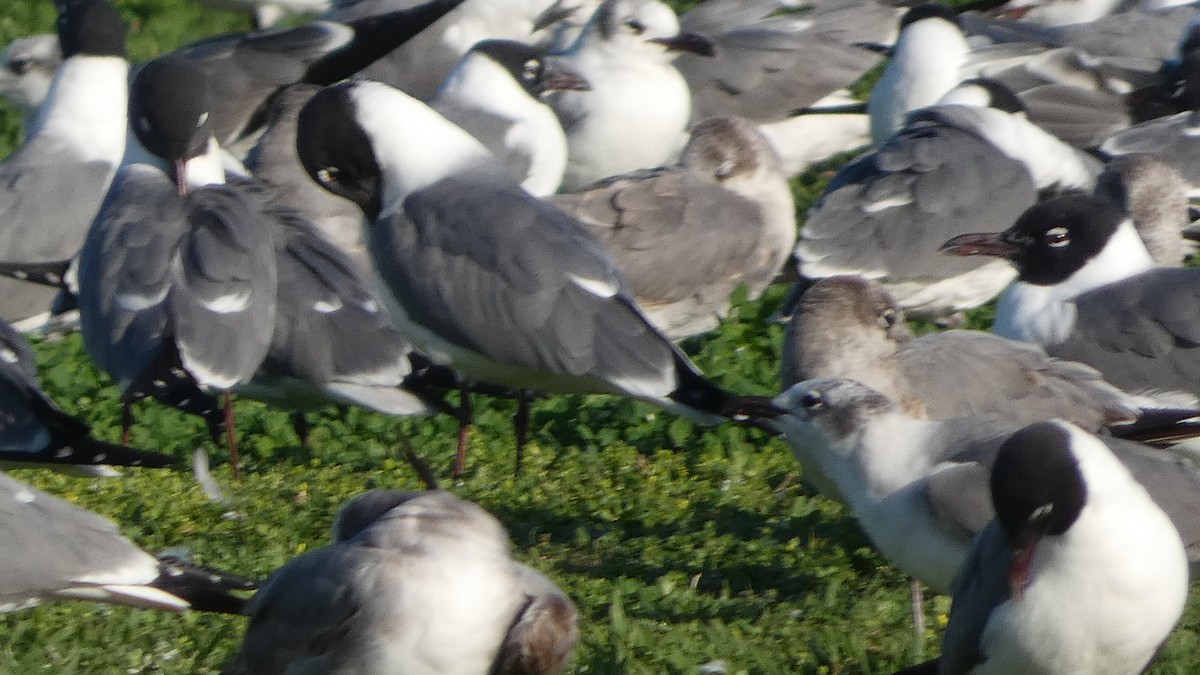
(980, 587)
(963, 373)
(51, 546)
(885, 214)
(304, 612)
(959, 498)
(40, 222)
(494, 270)
(223, 287)
(246, 69)
(1142, 333)
(1079, 117)
(30, 422)
(1173, 482)
(124, 272)
(1174, 140)
(330, 328)
(768, 63)
(645, 222)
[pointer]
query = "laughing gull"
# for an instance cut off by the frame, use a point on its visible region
(926, 62)
(35, 430)
(27, 68)
(481, 275)
(420, 65)
(636, 111)
(413, 582)
(727, 202)
(884, 215)
(494, 93)
(246, 69)
(919, 488)
(1080, 571)
(850, 327)
(177, 276)
(75, 150)
(772, 58)
(1087, 290)
(56, 551)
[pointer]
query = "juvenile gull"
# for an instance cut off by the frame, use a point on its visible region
(726, 202)
(412, 583)
(919, 488)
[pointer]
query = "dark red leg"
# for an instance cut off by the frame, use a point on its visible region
(464, 430)
(231, 437)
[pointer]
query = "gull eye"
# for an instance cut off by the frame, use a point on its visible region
(888, 318)
(1057, 237)
(637, 27)
(531, 69)
(327, 175)
(812, 400)
(20, 66)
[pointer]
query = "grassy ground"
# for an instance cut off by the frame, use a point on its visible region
(686, 550)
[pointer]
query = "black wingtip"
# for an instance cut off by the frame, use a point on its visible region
(206, 589)
(88, 451)
(52, 274)
(1160, 426)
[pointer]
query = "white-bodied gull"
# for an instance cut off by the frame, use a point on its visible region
(1080, 571)
(636, 110)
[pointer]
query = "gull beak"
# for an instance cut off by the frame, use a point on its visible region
(181, 184)
(1019, 570)
(694, 43)
(557, 75)
(984, 243)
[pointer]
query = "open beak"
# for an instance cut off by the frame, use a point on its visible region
(985, 243)
(694, 43)
(557, 75)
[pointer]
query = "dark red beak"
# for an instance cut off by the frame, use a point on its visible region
(983, 243)
(694, 43)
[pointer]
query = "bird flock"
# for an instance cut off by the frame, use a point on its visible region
(398, 206)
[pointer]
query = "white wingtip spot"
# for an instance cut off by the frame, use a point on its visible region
(24, 497)
(8, 355)
(229, 303)
(327, 306)
(598, 287)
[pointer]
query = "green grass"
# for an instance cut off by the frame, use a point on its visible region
(681, 546)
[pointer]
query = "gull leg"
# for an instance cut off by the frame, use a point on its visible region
(464, 430)
(521, 426)
(231, 437)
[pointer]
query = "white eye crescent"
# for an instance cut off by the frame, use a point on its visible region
(1057, 237)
